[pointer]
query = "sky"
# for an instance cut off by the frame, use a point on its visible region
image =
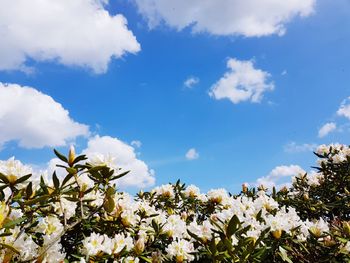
(212, 92)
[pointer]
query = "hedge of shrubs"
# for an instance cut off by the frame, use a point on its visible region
(84, 218)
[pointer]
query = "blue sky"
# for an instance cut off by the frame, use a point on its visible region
(142, 96)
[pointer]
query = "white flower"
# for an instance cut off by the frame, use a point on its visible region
(322, 149)
(65, 207)
(203, 231)
(54, 254)
(192, 191)
(319, 227)
(51, 226)
(119, 242)
(129, 217)
(180, 250)
(165, 190)
(14, 169)
(85, 182)
(338, 158)
(218, 196)
(96, 197)
(313, 179)
(175, 226)
(98, 159)
(93, 244)
(24, 244)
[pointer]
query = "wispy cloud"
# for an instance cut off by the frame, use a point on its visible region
(327, 129)
(293, 147)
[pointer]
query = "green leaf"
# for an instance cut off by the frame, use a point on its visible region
(5, 234)
(71, 170)
(110, 191)
(60, 156)
(56, 182)
(43, 185)
(119, 175)
(29, 190)
(9, 247)
(146, 259)
(79, 158)
(4, 178)
(67, 178)
(232, 226)
(23, 178)
(37, 200)
(14, 222)
(109, 204)
(212, 246)
(155, 226)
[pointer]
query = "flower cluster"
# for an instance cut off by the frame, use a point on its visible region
(83, 218)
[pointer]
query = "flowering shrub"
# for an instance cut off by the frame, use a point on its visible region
(83, 218)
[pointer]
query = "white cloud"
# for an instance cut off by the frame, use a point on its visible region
(74, 33)
(192, 154)
(136, 143)
(278, 174)
(344, 109)
(34, 119)
(140, 175)
(293, 147)
(242, 82)
(326, 129)
(191, 82)
(284, 72)
(225, 17)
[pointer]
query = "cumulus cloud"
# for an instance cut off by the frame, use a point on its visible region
(326, 129)
(140, 175)
(249, 18)
(34, 119)
(192, 154)
(191, 82)
(242, 82)
(293, 147)
(344, 109)
(74, 33)
(278, 174)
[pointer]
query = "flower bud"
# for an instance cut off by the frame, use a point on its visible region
(305, 196)
(4, 210)
(277, 234)
(139, 246)
(244, 187)
(179, 259)
(346, 227)
(71, 155)
(329, 242)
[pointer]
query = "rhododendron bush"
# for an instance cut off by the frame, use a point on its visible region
(82, 217)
